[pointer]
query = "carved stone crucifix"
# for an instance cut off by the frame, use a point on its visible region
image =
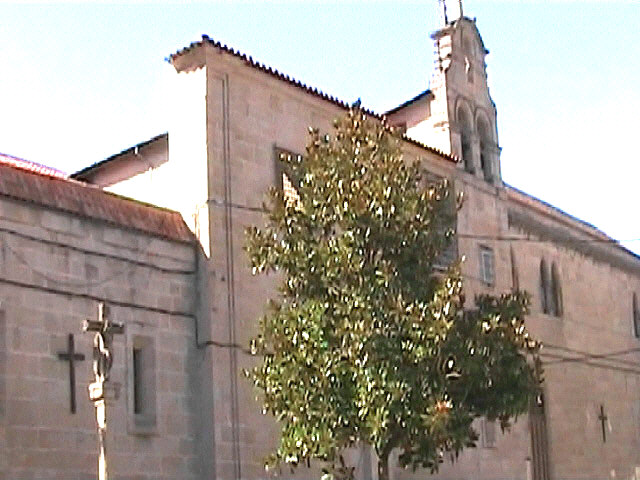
(72, 357)
(100, 391)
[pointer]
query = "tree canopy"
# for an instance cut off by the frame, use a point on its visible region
(368, 340)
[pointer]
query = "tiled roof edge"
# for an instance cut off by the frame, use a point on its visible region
(297, 83)
(29, 166)
(408, 102)
(101, 163)
(182, 235)
(595, 231)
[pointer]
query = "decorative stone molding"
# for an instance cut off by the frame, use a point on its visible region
(602, 251)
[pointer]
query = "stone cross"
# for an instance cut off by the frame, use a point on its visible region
(71, 356)
(603, 419)
(101, 391)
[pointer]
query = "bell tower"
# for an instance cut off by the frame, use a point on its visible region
(460, 117)
(462, 109)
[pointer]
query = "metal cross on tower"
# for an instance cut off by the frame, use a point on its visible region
(72, 357)
(101, 391)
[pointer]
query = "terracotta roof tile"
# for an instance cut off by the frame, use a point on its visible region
(411, 101)
(30, 166)
(21, 180)
(538, 204)
(297, 83)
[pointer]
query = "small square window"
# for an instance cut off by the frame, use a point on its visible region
(487, 265)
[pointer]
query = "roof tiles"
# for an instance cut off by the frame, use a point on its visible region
(31, 166)
(25, 181)
(221, 47)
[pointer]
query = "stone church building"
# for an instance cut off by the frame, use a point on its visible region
(171, 267)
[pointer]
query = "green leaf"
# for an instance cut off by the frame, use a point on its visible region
(366, 343)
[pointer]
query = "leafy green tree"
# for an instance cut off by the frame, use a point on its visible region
(367, 341)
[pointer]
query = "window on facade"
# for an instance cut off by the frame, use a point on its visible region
(450, 254)
(515, 280)
(484, 133)
(550, 289)
(556, 291)
(636, 316)
(466, 133)
(488, 433)
(138, 387)
(284, 177)
(484, 163)
(141, 384)
(487, 265)
(466, 152)
(544, 286)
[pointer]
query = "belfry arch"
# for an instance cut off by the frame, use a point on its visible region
(464, 119)
(487, 146)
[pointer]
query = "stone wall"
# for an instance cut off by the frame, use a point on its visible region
(249, 114)
(54, 269)
(597, 281)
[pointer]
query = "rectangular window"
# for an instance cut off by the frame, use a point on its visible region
(636, 316)
(487, 265)
(141, 380)
(515, 279)
(284, 177)
(138, 386)
(450, 254)
(291, 194)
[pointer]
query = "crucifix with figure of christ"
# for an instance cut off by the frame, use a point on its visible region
(101, 391)
(72, 357)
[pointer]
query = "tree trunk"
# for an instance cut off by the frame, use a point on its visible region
(383, 467)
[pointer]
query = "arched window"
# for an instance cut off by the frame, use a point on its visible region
(515, 280)
(466, 152)
(466, 132)
(556, 291)
(544, 286)
(636, 316)
(484, 133)
(550, 289)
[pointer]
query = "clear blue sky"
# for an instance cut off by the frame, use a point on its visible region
(81, 81)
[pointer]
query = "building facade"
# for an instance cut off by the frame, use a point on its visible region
(66, 247)
(189, 302)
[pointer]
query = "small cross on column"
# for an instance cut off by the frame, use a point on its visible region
(603, 419)
(71, 356)
(101, 390)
